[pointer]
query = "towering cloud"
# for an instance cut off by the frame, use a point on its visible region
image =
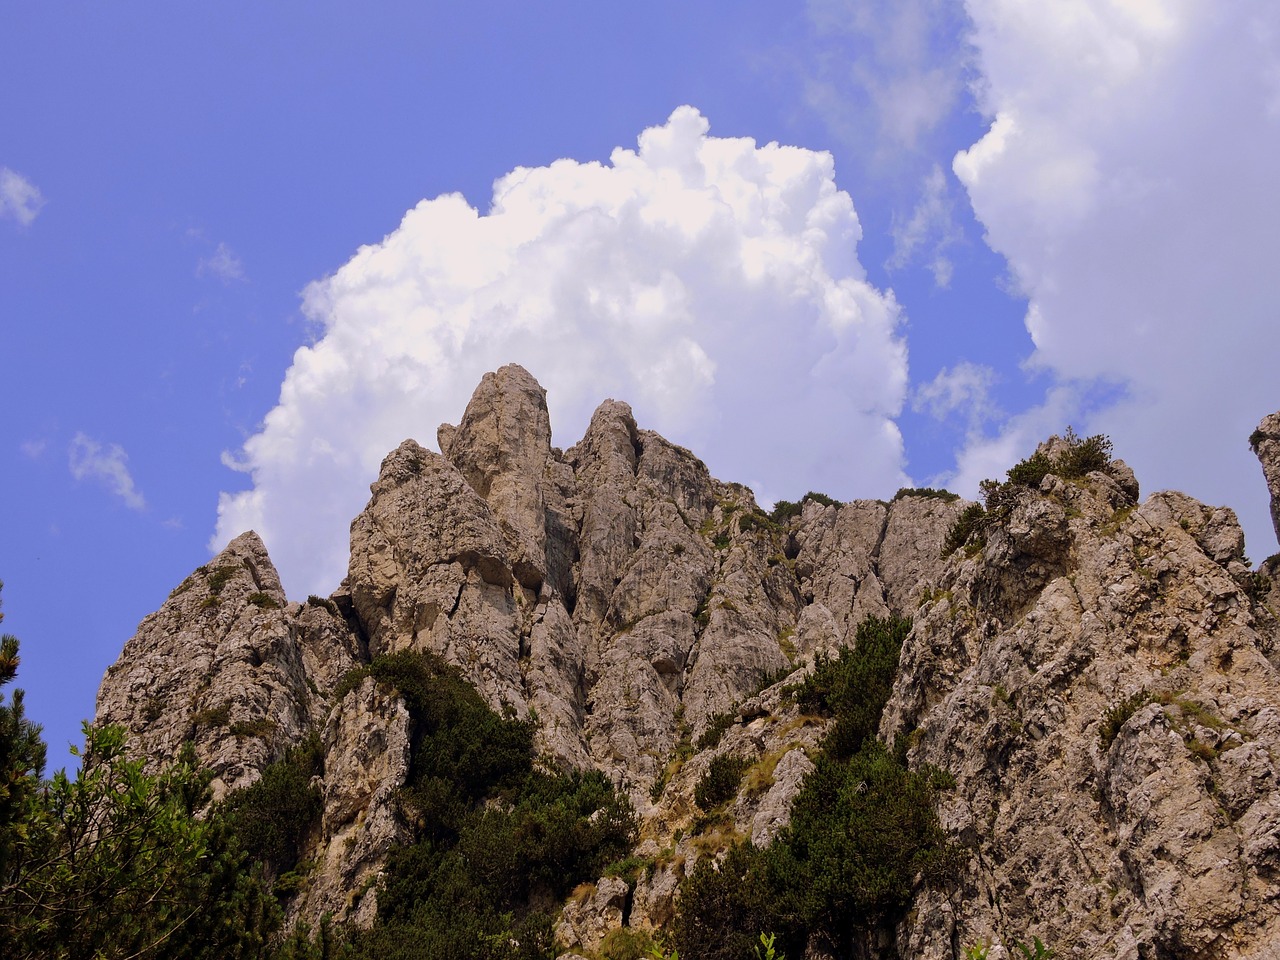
(1128, 175)
(711, 282)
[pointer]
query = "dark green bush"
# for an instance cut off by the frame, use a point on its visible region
(821, 498)
(784, 511)
(723, 907)
(971, 520)
(496, 842)
(1082, 456)
(623, 943)
(1079, 458)
(458, 742)
(219, 577)
(855, 686)
(926, 492)
(720, 783)
(756, 520)
(1117, 716)
(272, 817)
(1031, 471)
(716, 729)
(864, 832)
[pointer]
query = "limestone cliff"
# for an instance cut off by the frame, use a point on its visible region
(1099, 675)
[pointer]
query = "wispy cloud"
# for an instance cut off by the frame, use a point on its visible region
(107, 464)
(20, 199)
(885, 73)
(929, 231)
(223, 264)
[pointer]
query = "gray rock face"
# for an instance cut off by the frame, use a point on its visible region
(1104, 692)
(219, 665)
(1100, 677)
(1266, 444)
(366, 748)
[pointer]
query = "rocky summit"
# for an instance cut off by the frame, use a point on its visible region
(1094, 675)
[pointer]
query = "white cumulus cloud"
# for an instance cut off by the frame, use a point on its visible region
(1129, 177)
(20, 199)
(109, 465)
(713, 283)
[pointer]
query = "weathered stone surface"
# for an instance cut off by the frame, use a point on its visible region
(431, 571)
(218, 665)
(1097, 682)
(1266, 444)
(590, 914)
(502, 447)
(366, 748)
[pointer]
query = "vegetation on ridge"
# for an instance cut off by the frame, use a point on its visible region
(1078, 458)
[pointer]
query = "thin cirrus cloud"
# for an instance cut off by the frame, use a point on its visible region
(928, 231)
(20, 199)
(885, 74)
(108, 465)
(711, 282)
(223, 264)
(1128, 176)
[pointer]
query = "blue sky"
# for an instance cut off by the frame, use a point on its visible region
(986, 220)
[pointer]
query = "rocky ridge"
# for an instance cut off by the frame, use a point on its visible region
(630, 602)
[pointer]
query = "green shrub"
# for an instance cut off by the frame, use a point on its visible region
(1030, 472)
(495, 841)
(821, 498)
(272, 817)
(971, 520)
(326, 603)
(219, 716)
(855, 686)
(263, 601)
(221, 576)
(756, 520)
(623, 943)
(1082, 456)
(259, 727)
(861, 833)
(785, 511)
(716, 729)
(864, 832)
(722, 906)
(927, 492)
(1118, 715)
(1038, 951)
(1079, 458)
(720, 783)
